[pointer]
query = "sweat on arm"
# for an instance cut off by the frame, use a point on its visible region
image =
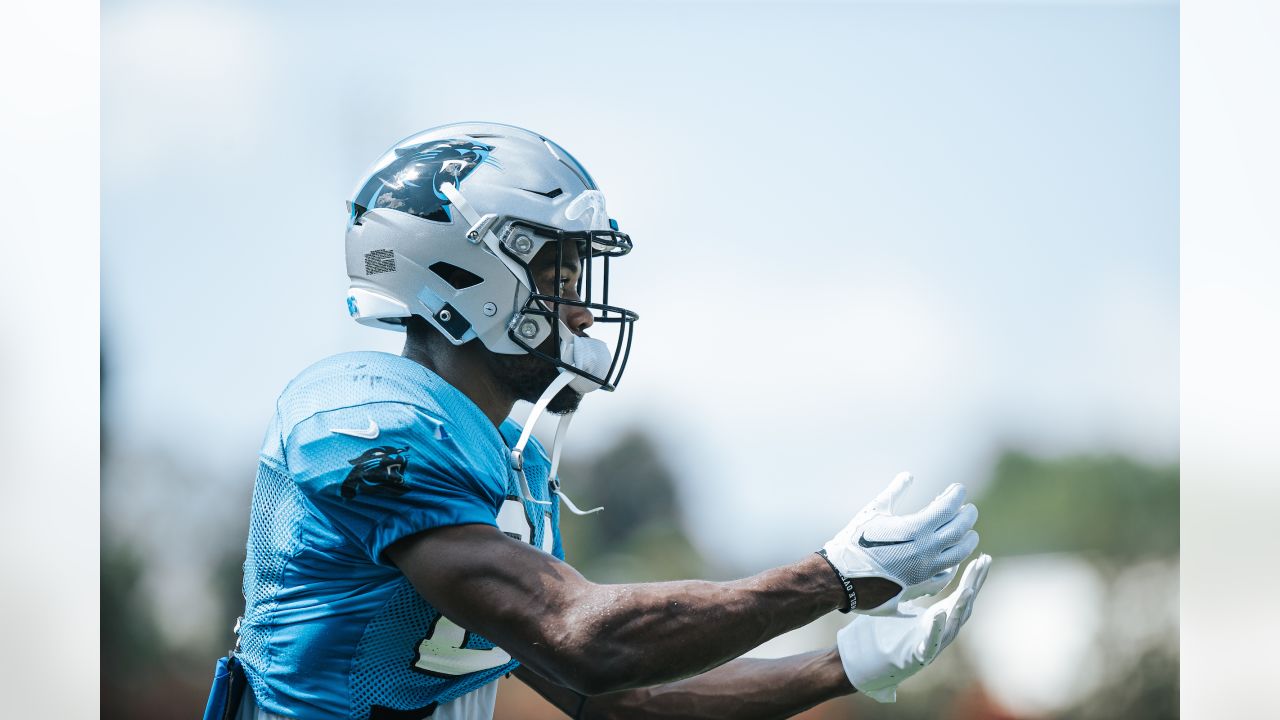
(594, 638)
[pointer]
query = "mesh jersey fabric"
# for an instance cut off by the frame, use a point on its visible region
(475, 705)
(364, 449)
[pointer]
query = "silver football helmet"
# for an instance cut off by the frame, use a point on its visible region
(445, 224)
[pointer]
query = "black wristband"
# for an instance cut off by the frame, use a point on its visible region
(845, 582)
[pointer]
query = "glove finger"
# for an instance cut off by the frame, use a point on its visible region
(945, 577)
(957, 617)
(980, 577)
(946, 603)
(942, 508)
(950, 532)
(933, 644)
(958, 552)
(932, 586)
(975, 572)
(967, 609)
(889, 497)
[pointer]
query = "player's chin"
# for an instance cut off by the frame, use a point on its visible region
(565, 401)
(528, 377)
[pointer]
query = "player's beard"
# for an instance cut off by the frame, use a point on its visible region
(527, 376)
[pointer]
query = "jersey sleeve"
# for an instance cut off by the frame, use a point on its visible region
(382, 471)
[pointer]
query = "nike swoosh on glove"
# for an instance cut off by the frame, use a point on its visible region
(878, 653)
(919, 551)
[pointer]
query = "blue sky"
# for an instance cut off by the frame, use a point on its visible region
(869, 237)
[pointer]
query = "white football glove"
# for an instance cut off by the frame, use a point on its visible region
(878, 653)
(919, 551)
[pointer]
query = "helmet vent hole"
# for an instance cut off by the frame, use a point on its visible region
(458, 278)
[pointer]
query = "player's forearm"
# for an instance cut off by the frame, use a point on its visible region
(594, 638)
(743, 689)
(637, 635)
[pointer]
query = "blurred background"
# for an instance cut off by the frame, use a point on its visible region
(869, 237)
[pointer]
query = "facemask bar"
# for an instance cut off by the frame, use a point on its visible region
(599, 246)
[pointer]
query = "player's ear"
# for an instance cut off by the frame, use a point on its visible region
(420, 332)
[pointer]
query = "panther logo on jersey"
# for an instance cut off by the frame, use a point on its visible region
(379, 470)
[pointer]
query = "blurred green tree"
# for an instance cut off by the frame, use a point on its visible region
(640, 535)
(1106, 507)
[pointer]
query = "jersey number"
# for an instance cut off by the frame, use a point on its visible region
(442, 652)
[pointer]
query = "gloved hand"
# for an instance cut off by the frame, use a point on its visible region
(878, 653)
(919, 551)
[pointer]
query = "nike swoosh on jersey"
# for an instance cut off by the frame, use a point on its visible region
(864, 542)
(368, 433)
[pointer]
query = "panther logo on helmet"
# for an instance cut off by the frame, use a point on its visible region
(411, 182)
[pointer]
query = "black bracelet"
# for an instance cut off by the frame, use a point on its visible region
(845, 582)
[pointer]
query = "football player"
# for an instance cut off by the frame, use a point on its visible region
(404, 548)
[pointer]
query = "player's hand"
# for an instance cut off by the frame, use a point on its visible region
(919, 552)
(878, 653)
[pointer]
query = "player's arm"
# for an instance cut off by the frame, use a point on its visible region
(873, 653)
(744, 688)
(601, 638)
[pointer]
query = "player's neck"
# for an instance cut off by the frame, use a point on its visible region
(469, 375)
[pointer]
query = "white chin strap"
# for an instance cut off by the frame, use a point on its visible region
(517, 460)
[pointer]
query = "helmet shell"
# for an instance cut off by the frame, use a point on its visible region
(406, 241)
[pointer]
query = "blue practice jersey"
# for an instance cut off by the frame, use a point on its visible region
(364, 449)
